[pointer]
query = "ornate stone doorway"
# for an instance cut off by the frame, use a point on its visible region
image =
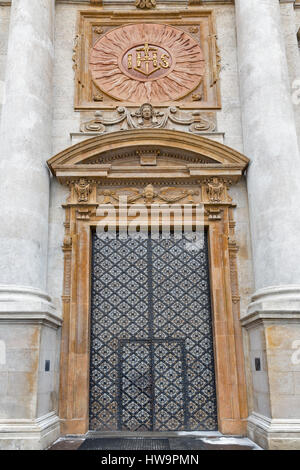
(152, 356)
(150, 166)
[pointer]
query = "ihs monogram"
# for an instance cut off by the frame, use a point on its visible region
(146, 60)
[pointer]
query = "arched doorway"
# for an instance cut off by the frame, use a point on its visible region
(150, 167)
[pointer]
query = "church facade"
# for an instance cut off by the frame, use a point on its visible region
(149, 242)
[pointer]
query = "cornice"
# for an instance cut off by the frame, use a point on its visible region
(149, 137)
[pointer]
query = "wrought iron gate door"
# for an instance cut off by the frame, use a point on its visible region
(152, 362)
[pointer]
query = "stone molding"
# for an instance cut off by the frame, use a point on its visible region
(29, 434)
(274, 303)
(131, 3)
(275, 425)
(11, 293)
(274, 434)
(203, 157)
(25, 304)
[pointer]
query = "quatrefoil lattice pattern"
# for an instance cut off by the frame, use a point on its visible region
(152, 362)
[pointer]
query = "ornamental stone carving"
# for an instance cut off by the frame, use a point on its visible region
(83, 190)
(149, 117)
(186, 163)
(217, 189)
(148, 195)
(122, 58)
(147, 62)
(145, 4)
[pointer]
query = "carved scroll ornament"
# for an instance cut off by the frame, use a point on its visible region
(149, 117)
(148, 195)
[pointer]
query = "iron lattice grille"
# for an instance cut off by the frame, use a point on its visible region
(152, 362)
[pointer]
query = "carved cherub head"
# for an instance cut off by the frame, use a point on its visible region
(146, 111)
(215, 181)
(82, 182)
(149, 193)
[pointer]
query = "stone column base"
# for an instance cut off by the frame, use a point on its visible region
(27, 434)
(29, 338)
(273, 326)
(274, 434)
(27, 305)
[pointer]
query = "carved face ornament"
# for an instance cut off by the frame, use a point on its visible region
(146, 111)
(147, 63)
(82, 183)
(149, 193)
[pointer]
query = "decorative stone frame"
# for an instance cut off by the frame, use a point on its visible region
(118, 159)
(198, 23)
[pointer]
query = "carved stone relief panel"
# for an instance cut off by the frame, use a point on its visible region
(130, 58)
(146, 116)
(216, 190)
(146, 62)
(89, 192)
(149, 194)
(212, 191)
